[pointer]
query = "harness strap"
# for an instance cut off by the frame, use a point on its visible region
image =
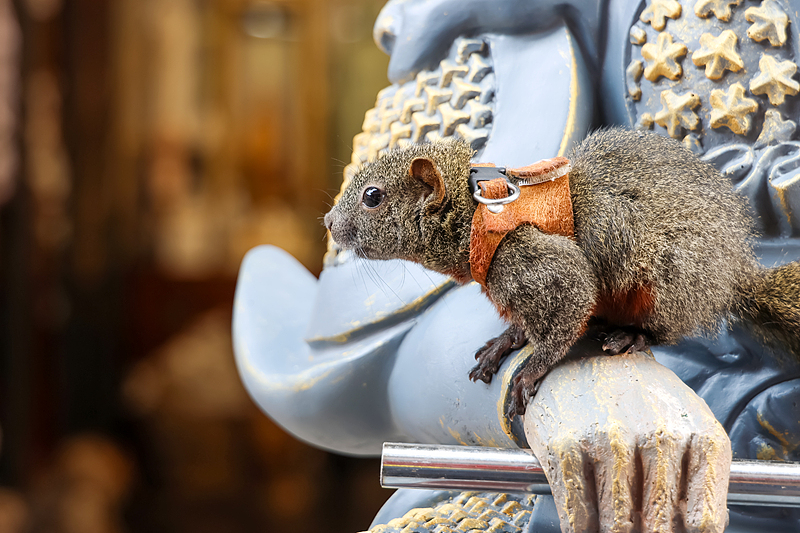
(544, 202)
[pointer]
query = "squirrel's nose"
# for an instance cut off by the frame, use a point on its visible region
(387, 27)
(341, 227)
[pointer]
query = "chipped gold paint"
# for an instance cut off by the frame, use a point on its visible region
(415, 305)
(781, 189)
(664, 451)
(620, 489)
(575, 503)
(766, 453)
(711, 453)
(456, 435)
(663, 479)
(780, 437)
(632, 74)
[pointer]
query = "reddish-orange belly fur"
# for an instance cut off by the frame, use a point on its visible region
(630, 308)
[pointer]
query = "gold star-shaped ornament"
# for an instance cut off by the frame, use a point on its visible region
(731, 109)
(693, 144)
(662, 58)
(775, 79)
(720, 8)
(775, 129)
(718, 54)
(657, 12)
(677, 113)
(632, 75)
(769, 22)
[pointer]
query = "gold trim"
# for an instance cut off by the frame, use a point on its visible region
(572, 117)
(409, 308)
(513, 366)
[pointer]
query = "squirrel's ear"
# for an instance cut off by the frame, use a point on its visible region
(424, 170)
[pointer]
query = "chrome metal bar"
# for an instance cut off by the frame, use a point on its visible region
(424, 466)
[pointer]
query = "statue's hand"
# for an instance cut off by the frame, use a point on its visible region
(627, 446)
(418, 33)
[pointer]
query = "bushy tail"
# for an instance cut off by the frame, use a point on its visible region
(771, 303)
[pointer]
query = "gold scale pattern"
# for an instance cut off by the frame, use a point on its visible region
(454, 100)
(468, 512)
(718, 53)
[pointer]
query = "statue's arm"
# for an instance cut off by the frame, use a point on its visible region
(358, 358)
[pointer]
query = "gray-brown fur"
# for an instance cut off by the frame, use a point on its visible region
(648, 213)
(408, 226)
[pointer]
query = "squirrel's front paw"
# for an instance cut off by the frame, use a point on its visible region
(483, 372)
(492, 353)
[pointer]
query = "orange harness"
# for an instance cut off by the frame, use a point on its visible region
(544, 202)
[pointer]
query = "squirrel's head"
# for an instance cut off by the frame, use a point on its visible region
(381, 212)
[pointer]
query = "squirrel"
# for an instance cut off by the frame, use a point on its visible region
(660, 249)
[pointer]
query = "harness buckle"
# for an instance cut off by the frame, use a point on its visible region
(494, 205)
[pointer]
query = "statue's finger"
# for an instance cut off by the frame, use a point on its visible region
(615, 475)
(708, 469)
(574, 494)
(662, 456)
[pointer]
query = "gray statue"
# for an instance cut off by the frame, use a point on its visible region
(380, 351)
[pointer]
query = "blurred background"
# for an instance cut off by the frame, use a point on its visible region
(145, 146)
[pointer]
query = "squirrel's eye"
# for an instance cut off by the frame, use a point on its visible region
(373, 197)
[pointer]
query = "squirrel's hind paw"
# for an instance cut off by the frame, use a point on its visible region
(524, 387)
(625, 341)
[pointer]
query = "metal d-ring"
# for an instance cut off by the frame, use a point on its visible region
(495, 205)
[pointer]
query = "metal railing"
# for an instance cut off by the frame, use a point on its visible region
(425, 466)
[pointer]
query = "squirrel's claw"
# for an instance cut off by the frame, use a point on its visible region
(625, 341)
(494, 351)
(483, 372)
(523, 388)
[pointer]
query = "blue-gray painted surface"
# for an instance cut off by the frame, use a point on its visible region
(380, 351)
